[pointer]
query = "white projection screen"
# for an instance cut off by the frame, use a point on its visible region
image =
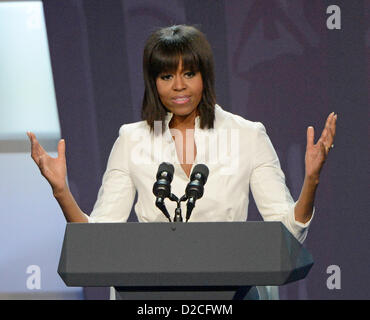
(31, 222)
(27, 97)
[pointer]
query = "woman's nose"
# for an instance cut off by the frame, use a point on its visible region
(179, 83)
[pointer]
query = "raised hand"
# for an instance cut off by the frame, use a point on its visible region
(53, 169)
(316, 154)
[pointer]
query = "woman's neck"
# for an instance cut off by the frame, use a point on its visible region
(183, 122)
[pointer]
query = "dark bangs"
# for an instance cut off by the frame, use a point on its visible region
(166, 57)
(162, 53)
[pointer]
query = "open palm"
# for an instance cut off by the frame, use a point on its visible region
(316, 154)
(53, 169)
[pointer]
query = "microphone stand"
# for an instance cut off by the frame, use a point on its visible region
(190, 206)
(161, 206)
(178, 216)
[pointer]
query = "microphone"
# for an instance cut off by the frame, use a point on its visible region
(162, 187)
(195, 188)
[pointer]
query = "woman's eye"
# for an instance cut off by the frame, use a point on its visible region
(166, 77)
(190, 74)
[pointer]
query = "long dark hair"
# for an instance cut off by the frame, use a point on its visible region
(162, 53)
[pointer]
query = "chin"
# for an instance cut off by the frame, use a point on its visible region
(182, 111)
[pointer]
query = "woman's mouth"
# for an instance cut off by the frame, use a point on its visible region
(181, 99)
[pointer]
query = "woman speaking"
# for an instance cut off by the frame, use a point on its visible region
(182, 124)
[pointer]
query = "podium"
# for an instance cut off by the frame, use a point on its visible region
(176, 261)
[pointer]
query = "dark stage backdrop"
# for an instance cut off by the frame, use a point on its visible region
(276, 62)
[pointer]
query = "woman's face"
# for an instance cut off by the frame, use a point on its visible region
(180, 91)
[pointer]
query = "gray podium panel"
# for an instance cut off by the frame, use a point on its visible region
(194, 257)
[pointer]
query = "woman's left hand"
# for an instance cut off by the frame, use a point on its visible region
(316, 154)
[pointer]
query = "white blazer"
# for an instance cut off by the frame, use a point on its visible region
(239, 155)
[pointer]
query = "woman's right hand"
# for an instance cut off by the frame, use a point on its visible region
(53, 169)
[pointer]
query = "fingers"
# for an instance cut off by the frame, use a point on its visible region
(331, 129)
(37, 151)
(325, 140)
(32, 138)
(331, 123)
(323, 148)
(33, 141)
(333, 126)
(310, 136)
(62, 149)
(328, 134)
(29, 134)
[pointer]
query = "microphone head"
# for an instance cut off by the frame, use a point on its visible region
(165, 171)
(162, 187)
(200, 172)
